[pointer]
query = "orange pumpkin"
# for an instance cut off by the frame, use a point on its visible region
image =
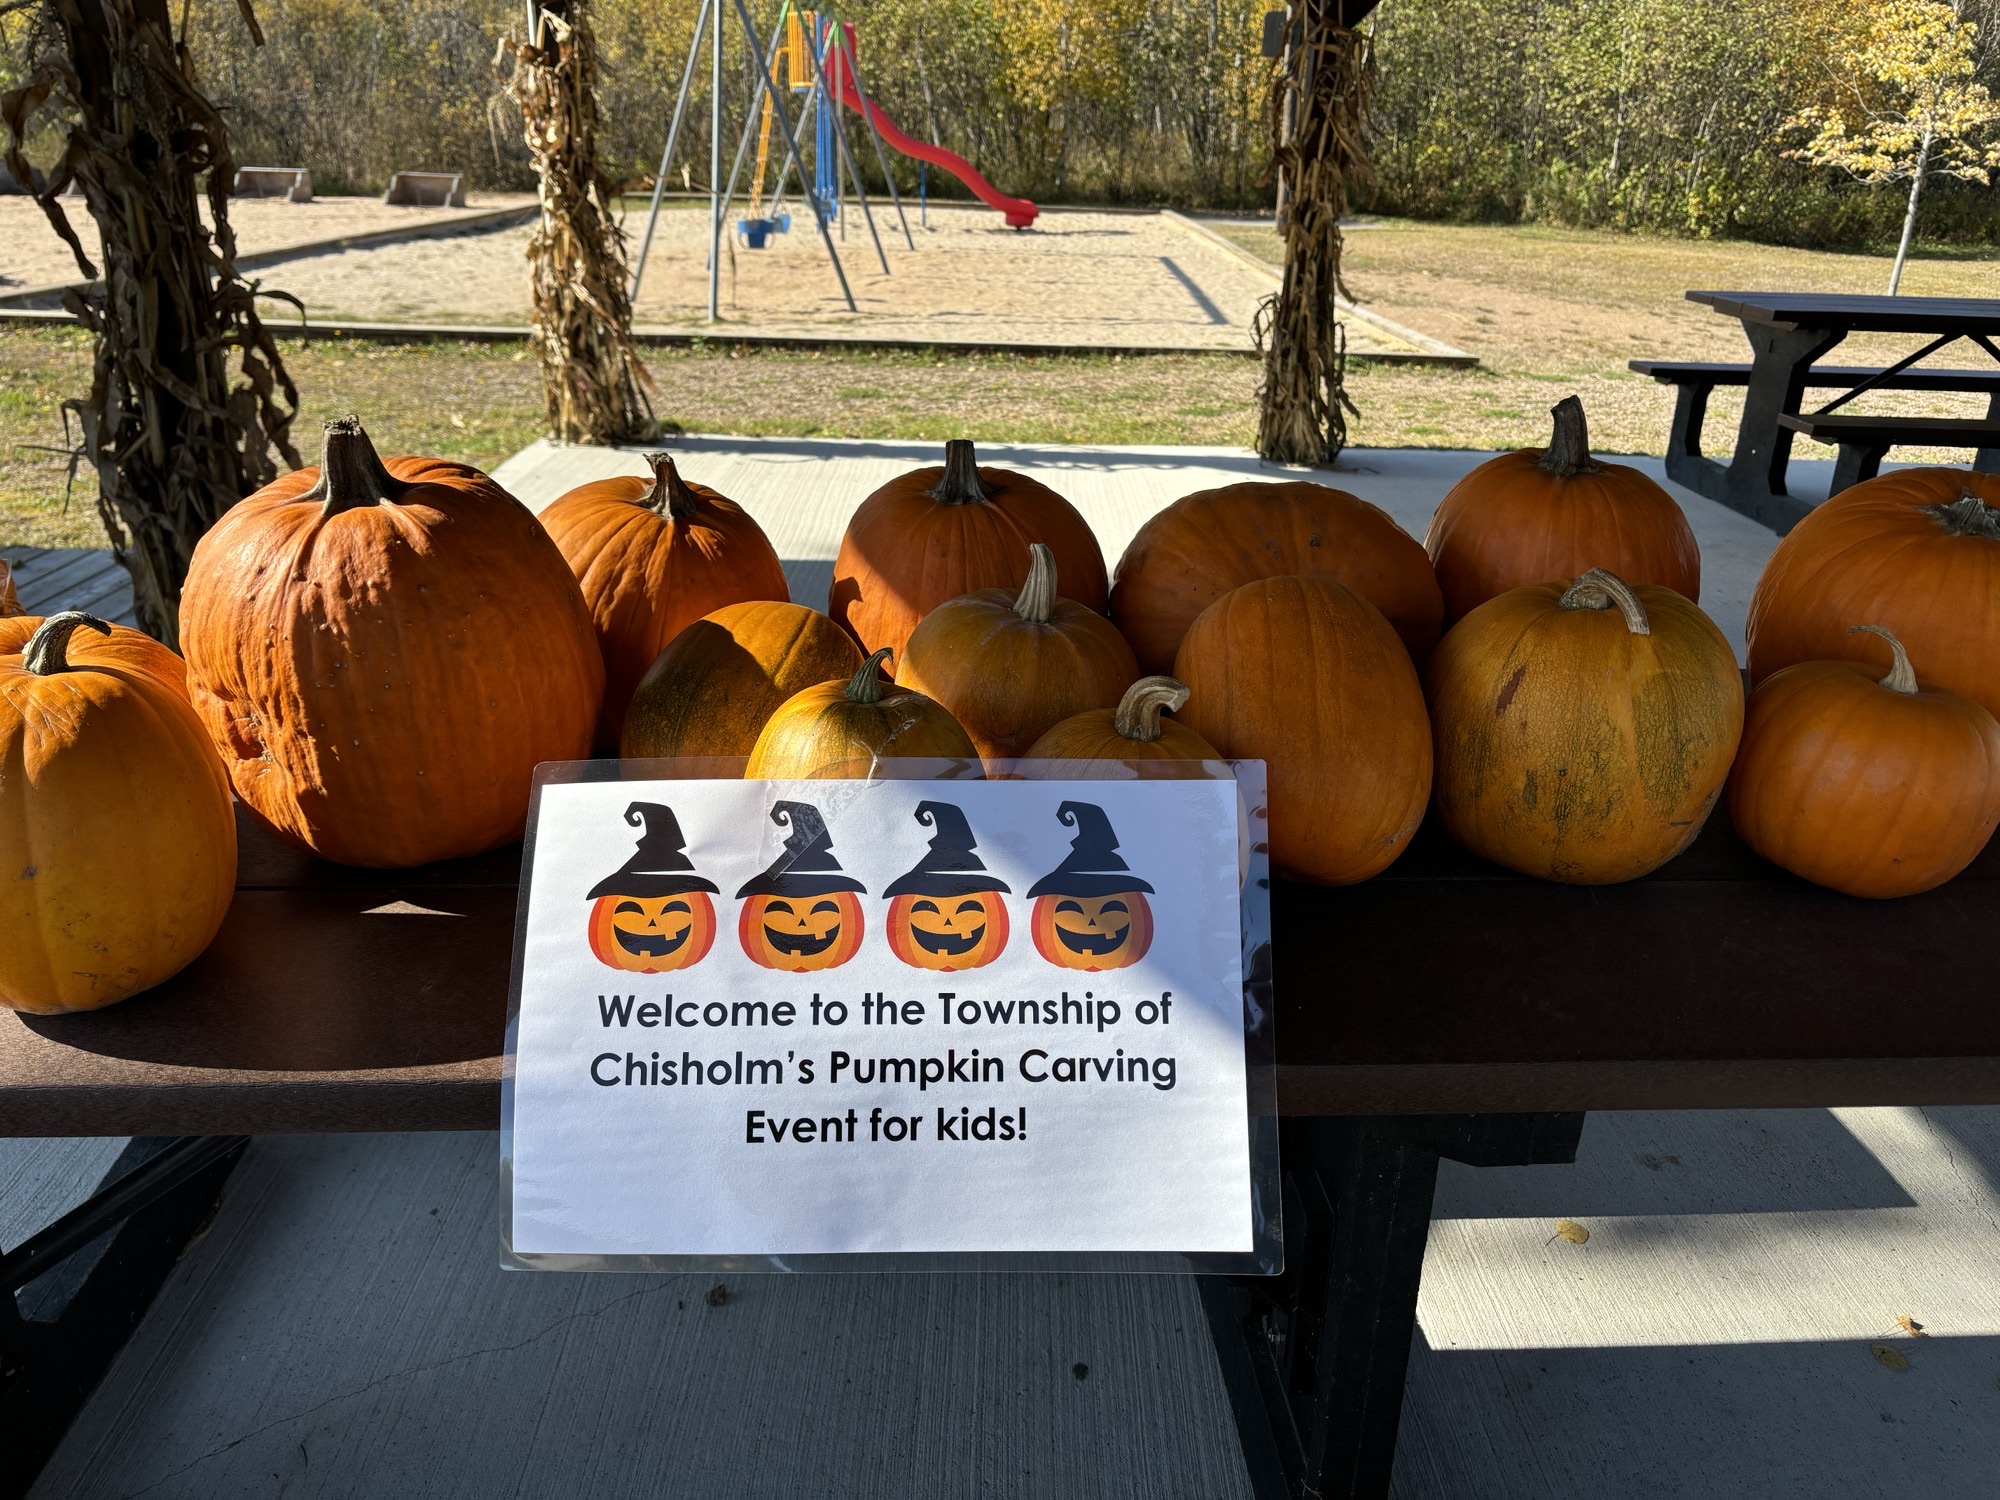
(384, 653)
(1875, 788)
(1583, 731)
(1548, 513)
(117, 839)
(803, 913)
(1308, 677)
(653, 555)
(1202, 546)
(937, 533)
(1917, 551)
(653, 913)
(714, 688)
(1009, 668)
(1133, 731)
(1091, 911)
(124, 647)
(838, 731)
(946, 911)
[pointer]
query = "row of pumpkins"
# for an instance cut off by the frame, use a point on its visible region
(377, 655)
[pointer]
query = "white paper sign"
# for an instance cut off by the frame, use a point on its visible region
(786, 1018)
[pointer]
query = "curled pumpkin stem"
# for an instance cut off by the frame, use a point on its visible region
(1037, 600)
(669, 495)
(47, 651)
(1598, 589)
(962, 484)
(351, 472)
(1138, 714)
(1968, 515)
(1568, 452)
(1902, 676)
(866, 685)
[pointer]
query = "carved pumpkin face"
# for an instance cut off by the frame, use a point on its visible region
(802, 934)
(1093, 932)
(948, 933)
(652, 934)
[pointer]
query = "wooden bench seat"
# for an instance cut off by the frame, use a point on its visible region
(1864, 440)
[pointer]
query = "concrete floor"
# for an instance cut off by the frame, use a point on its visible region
(1734, 1320)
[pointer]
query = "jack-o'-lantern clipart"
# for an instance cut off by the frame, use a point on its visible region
(946, 913)
(1091, 911)
(653, 914)
(803, 914)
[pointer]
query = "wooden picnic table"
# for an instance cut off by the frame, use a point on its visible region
(1788, 333)
(1446, 1009)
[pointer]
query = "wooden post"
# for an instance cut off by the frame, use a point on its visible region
(175, 439)
(1317, 115)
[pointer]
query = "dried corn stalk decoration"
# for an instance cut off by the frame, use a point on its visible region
(592, 379)
(174, 437)
(1318, 113)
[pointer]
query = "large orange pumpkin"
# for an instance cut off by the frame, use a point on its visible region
(1202, 546)
(1011, 667)
(655, 554)
(1307, 676)
(1548, 513)
(117, 839)
(1583, 731)
(838, 731)
(1875, 788)
(1134, 731)
(719, 681)
(384, 653)
(1916, 551)
(124, 647)
(937, 533)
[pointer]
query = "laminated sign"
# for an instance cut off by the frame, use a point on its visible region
(762, 1020)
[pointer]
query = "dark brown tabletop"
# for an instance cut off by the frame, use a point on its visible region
(337, 1000)
(1859, 314)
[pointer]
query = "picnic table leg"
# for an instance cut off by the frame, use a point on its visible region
(1754, 482)
(1987, 460)
(1315, 1359)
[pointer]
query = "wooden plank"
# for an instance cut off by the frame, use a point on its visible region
(49, 579)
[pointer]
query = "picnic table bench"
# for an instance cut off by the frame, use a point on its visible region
(1788, 333)
(359, 1000)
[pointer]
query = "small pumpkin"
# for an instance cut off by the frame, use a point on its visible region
(653, 555)
(1307, 676)
(946, 913)
(838, 731)
(1205, 544)
(124, 647)
(1133, 731)
(803, 913)
(383, 653)
(714, 688)
(116, 831)
(1010, 667)
(653, 914)
(934, 534)
(1585, 730)
(1917, 551)
(1090, 911)
(1547, 513)
(1872, 787)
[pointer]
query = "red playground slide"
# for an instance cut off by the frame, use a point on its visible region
(1020, 213)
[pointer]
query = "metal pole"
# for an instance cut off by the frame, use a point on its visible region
(784, 172)
(715, 171)
(868, 114)
(673, 134)
(792, 141)
(750, 125)
(846, 157)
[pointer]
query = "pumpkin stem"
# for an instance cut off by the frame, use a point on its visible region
(866, 685)
(47, 651)
(1138, 714)
(1038, 595)
(1968, 515)
(1598, 589)
(670, 495)
(1568, 452)
(351, 472)
(1902, 676)
(961, 484)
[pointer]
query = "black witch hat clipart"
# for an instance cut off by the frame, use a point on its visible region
(1090, 911)
(1093, 866)
(802, 912)
(659, 866)
(652, 913)
(806, 867)
(949, 867)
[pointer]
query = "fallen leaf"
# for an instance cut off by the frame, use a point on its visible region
(1889, 1359)
(458, 421)
(1575, 1233)
(1912, 1327)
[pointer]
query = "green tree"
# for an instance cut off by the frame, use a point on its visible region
(1906, 107)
